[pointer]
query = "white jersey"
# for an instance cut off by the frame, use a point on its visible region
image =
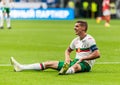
(6, 3)
(84, 47)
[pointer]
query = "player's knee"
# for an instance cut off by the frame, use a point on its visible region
(71, 70)
(47, 64)
(76, 67)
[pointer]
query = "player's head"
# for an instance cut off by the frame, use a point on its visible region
(80, 27)
(83, 24)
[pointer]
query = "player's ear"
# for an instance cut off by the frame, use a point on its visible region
(83, 29)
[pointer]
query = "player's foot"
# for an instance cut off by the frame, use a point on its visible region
(16, 65)
(107, 25)
(9, 27)
(98, 20)
(64, 69)
(1, 27)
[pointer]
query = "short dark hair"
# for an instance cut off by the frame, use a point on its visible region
(83, 23)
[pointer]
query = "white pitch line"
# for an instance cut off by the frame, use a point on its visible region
(95, 63)
(5, 65)
(107, 63)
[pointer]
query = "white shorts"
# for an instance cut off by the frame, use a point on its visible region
(106, 12)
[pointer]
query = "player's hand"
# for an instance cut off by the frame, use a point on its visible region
(67, 60)
(80, 60)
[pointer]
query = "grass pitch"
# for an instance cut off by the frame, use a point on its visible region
(31, 41)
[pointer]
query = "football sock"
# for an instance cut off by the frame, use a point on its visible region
(2, 21)
(8, 22)
(70, 70)
(36, 66)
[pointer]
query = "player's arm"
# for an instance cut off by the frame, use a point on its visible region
(3, 1)
(95, 54)
(67, 55)
(94, 51)
(11, 1)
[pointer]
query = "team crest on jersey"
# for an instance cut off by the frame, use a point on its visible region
(84, 45)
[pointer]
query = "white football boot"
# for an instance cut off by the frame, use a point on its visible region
(16, 65)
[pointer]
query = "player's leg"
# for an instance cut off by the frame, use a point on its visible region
(51, 64)
(8, 18)
(2, 18)
(67, 67)
(106, 14)
(2, 21)
(64, 68)
(36, 66)
(19, 67)
(79, 67)
(107, 19)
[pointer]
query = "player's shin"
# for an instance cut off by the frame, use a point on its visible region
(36, 66)
(2, 21)
(8, 22)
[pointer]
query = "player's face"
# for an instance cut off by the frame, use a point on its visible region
(78, 29)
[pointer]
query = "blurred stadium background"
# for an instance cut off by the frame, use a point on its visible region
(40, 32)
(61, 9)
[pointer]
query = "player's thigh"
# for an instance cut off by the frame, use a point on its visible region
(7, 10)
(106, 12)
(60, 65)
(3, 9)
(76, 67)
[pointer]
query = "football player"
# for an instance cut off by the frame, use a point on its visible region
(86, 53)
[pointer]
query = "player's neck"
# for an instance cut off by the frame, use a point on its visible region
(83, 36)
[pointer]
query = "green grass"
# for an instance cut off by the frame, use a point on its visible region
(31, 41)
